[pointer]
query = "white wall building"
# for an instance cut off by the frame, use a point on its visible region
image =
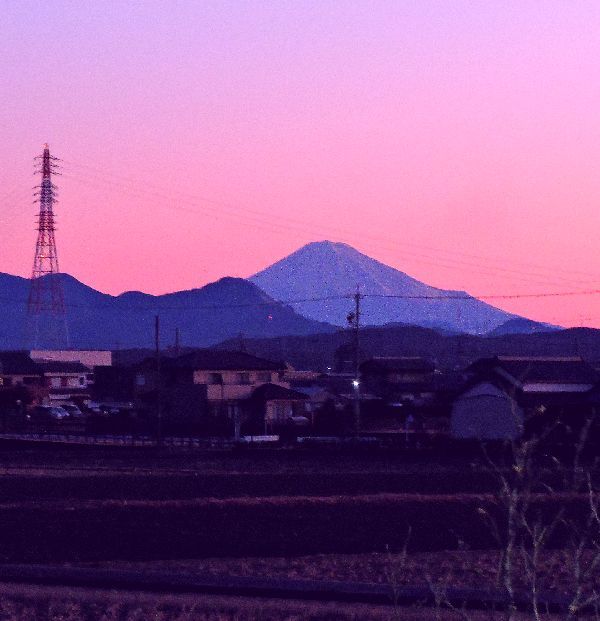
(485, 412)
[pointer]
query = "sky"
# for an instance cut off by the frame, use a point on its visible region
(456, 141)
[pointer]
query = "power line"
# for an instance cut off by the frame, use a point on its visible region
(262, 220)
(123, 180)
(280, 227)
(493, 296)
(151, 308)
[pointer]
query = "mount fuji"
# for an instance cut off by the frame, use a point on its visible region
(331, 270)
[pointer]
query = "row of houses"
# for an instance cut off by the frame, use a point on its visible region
(216, 392)
(228, 393)
(497, 398)
(29, 378)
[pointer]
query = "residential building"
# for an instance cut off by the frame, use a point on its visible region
(66, 382)
(398, 379)
(21, 381)
(279, 407)
(215, 385)
(18, 369)
(506, 396)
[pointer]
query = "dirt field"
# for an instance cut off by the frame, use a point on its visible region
(77, 506)
(66, 459)
(26, 603)
(460, 569)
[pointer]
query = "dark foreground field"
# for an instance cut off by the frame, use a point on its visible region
(463, 569)
(275, 514)
(71, 530)
(26, 603)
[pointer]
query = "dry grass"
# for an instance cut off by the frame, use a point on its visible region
(27, 603)
(459, 569)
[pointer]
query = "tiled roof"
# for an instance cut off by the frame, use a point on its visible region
(18, 363)
(397, 364)
(59, 366)
(270, 392)
(541, 370)
(223, 360)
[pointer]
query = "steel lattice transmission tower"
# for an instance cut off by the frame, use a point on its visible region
(46, 317)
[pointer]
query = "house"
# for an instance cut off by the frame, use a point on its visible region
(279, 408)
(35, 382)
(398, 379)
(507, 396)
(230, 376)
(316, 396)
(18, 369)
(209, 387)
(486, 411)
(66, 381)
(92, 359)
(21, 381)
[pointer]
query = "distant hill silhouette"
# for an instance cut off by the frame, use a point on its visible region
(318, 351)
(204, 316)
(322, 269)
(520, 325)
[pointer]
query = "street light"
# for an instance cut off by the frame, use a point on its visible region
(356, 385)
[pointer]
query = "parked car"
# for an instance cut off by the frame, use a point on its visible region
(72, 410)
(48, 413)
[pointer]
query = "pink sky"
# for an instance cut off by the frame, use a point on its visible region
(456, 141)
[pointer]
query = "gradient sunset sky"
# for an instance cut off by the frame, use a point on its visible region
(456, 141)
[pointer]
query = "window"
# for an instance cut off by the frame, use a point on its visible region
(140, 379)
(264, 376)
(82, 381)
(243, 378)
(215, 378)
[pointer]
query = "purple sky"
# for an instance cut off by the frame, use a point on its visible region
(456, 141)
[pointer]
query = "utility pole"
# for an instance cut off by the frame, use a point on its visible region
(158, 382)
(356, 381)
(177, 343)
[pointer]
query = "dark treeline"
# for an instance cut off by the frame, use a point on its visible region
(318, 351)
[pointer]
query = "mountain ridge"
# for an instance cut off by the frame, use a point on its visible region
(204, 316)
